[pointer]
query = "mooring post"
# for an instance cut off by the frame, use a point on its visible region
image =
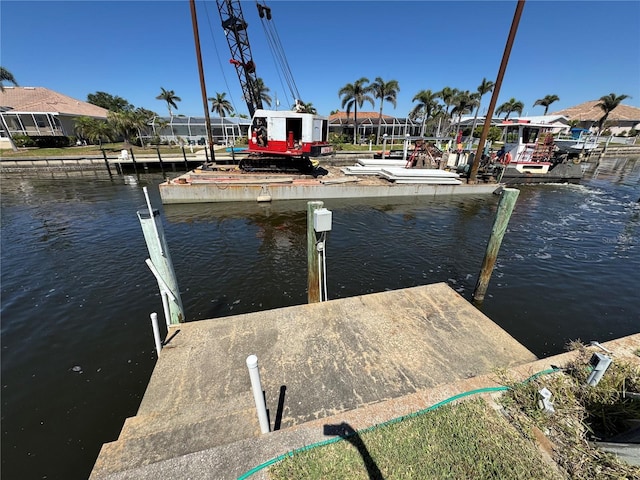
(106, 161)
(160, 160)
(313, 266)
(505, 207)
(160, 261)
(184, 155)
(133, 159)
(156, 332)
(258, 396)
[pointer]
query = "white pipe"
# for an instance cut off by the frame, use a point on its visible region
(324, 271)
(256, 386)
(165, 307)
(164, 285)
(156, 332)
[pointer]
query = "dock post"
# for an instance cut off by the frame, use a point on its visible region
(133, 159)
(186, 164)
(313, 267)
(156, 332)
(160, 262)
(258, 396)
(106, 161)
(160, 160)
(505, 207)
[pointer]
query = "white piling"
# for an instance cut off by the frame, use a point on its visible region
(256, 386)
(156, 332)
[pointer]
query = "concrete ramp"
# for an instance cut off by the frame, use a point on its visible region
(316, 361)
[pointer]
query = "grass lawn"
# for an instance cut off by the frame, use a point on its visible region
(476, 439)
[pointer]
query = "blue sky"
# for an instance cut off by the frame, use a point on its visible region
(578, 50)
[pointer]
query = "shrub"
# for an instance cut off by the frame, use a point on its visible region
(23, 141)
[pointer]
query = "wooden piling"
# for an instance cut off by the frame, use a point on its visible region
(106, 161)
(186, 163)
(313, 278)
(133, 159)
(160, 160)
(505, 207)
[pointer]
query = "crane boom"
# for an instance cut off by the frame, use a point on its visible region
(235, 29)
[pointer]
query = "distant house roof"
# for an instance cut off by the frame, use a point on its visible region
(43, 100)
(589, 111)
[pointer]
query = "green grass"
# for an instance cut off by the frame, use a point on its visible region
(472, 440)
(458, 441)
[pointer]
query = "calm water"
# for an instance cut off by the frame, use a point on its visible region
(77, 347)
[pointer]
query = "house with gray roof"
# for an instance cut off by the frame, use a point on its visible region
(40, 112)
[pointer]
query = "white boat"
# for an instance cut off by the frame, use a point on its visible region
(580, 141)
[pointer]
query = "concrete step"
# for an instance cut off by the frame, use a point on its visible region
(132, 452)
(164, 420)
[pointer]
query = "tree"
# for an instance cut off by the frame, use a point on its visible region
(509, 107)
(427, 103)
(463, 102)
(607, 104)
(306, 108)
(128, 124)
(220, 105)
(485, 87)
(93, 129)
(109, 102)
(262, 92)
(170, 97)
(353, 96)
(384, 91)
(546, 101)
(6, 76)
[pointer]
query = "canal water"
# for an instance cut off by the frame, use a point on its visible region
(76, 342)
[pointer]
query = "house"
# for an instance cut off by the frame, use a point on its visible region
(620, 121)
(38, 112)
(341, 123)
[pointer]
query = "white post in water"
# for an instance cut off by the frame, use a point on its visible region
(160, 262)
(256, 386)
(156, 332)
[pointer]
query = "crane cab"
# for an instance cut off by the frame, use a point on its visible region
(289, 133)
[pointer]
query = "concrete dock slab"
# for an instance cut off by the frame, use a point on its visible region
(317, 361)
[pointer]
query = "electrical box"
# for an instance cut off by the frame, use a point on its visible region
(600, 363)
(322, 220)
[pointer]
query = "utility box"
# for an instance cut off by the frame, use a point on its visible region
(322, 220)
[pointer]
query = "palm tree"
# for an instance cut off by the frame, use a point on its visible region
(128, 124)
(93, 129)
(607, 104)
(384, 91)
(546, 101)
(464, 102)
(485, 87)
(6, 76)
(262, 92)
(220, 105)
(509, 107)
(306, 108)
(353, 96)
(170, 97)
(427, 103)
(447, 94)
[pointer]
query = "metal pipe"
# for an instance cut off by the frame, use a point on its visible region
(203, 89)
(258, 396)
(156, 332)
(496, 90)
